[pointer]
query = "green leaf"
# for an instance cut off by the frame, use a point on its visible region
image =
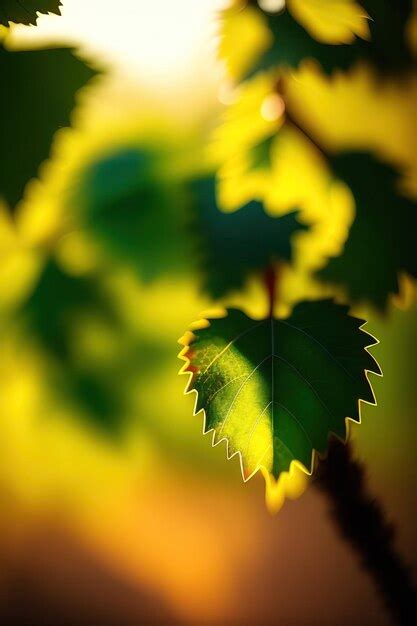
(387, 48)
(51, 315)
(38, 100)
(136, 216)
(381, 242)
(25, 11)
(293, 44)
(95, 387)
(275, 389)
(234, 246)
(54, 304)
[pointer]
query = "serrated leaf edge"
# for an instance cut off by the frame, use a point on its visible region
(276, 491)
(34, 21)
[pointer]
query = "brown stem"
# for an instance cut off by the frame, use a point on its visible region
(362, 522)
(270, 281)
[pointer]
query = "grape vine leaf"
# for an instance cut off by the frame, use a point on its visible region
(275, 389)
(56, 299)
(386, 48)
(38, 100)
(51, 314)
(335, 21)
(233, 246)
(137, 217)
(26, 11)
(381, 242)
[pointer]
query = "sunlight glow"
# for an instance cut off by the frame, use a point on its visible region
(157, 41)
(272, 6)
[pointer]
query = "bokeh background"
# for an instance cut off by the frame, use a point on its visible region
(114, 509)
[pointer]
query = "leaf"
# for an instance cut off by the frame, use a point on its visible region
(54, 304)
(52, 315)
(386, 48)
(138, 219)
(234, 246)
(335, 22)
(293, 44)
(381, 241)
(275, 389)
(40, 94)
(244, 36)
(25, 11)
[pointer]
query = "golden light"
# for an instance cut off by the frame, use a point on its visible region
(272, 6)
(272, 107)
(157, 41)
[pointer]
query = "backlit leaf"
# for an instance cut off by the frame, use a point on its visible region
(275, 389)
(381, 243)
(234, 246)
(322, 33)
(26, 11)
(136, 217)
(337, 21)
(37, 101)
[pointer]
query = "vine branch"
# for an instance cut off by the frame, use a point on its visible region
(363, 523)
(271, 276)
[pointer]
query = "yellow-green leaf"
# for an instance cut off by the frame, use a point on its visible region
(275, 389)
(334, 22)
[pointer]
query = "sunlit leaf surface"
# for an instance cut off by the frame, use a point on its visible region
(25, 11)
(275, 389)
(337, 21)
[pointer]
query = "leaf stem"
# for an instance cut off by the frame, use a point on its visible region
(271, 282)
(280, 89)
(362, 522)
(290, 119)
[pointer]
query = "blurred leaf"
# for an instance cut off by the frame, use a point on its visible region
(40, 94)
(233, 246)
(293, 44)
(381, 242)
(52, 313)
(56, 300)
(275, 389)
(139, 218)
(25, 11)
(336, 22)
(386, 47)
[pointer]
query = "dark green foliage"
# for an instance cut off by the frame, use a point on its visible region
(52, 313)
(386, 49)
(139, 219)
(382, 239)
(293, 44)
(25, 11)
(55, 302)
(297, 378)
(234, 246)
(39, 94)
